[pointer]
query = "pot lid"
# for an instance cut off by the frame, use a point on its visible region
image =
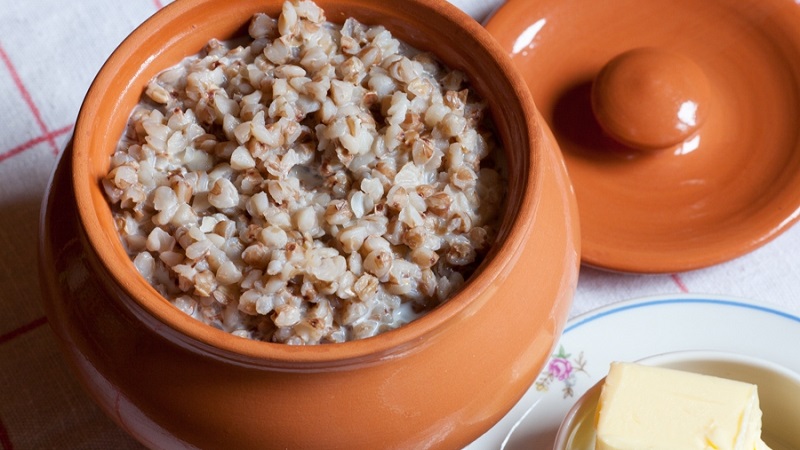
(678, 120)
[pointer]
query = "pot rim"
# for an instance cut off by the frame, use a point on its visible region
(161, 316)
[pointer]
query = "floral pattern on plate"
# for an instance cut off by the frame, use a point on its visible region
(562, 368)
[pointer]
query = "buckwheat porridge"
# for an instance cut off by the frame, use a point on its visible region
(315, 183)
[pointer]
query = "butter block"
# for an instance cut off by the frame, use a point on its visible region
(652, 408)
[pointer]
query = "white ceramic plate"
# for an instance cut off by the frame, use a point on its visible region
(630, 331)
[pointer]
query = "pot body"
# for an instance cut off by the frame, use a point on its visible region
(445, 392)
(441, 387)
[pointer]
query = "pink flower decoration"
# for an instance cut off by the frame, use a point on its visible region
(560, 368)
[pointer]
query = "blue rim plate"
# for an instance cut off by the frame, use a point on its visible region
(632, 330)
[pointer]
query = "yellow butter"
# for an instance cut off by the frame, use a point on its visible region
(652, 408)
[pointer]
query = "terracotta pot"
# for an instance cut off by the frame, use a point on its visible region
(441, 381)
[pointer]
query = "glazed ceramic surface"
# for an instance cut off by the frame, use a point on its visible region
(633, 330)
(707, 189)
(440, 381)
(650, 98)
(778, 390)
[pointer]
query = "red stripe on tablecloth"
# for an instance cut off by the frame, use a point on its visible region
(158, 4)
(677, 279)
(22, 330)
(35, 141)
(5, 439)
(26, 95)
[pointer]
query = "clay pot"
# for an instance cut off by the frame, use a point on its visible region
(441, 381)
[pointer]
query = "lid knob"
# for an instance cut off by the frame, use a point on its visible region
(650, 98)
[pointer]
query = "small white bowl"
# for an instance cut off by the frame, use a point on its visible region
(778, 393)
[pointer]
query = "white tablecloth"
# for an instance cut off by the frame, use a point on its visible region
(49, 52)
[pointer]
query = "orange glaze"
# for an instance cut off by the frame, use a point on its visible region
(731, 186)
(650, 98)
